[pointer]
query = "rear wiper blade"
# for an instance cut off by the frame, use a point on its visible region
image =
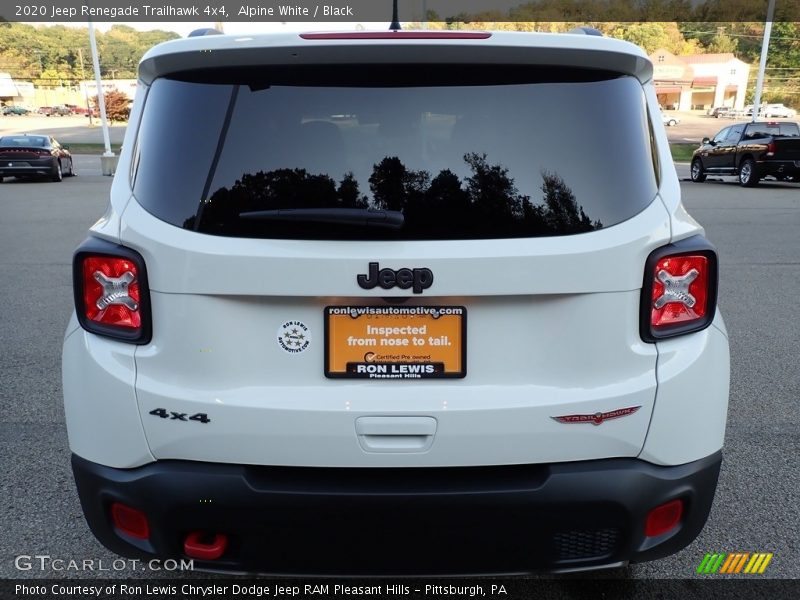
(364, 217)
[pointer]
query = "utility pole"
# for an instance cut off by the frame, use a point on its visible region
(43, 87)
(85, 87)
(762, 65)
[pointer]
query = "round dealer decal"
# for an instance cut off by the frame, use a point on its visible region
(294, 336)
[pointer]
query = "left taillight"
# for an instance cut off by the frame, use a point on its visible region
(111, 293)
(679, 293)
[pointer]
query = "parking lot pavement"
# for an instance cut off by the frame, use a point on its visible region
(67, 130)
(757, 507)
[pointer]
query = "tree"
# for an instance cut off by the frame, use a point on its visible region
(30, 52)
(387, 184)
(492, 191)
(349, 194)
(118, 106)
(722, 43)
(561, 210)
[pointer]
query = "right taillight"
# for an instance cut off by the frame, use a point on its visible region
(679, 294)
(111, 292)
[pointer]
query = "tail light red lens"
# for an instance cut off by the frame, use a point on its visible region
(680, 290)
(679, 293)
(771, 147)
(111, 293)
(664, 518)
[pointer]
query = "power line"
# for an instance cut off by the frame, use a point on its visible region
(743, 35)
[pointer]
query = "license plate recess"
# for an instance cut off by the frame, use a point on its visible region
(395, 342)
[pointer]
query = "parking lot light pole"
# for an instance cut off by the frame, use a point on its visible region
(107, 160)
(85, 88)
(762, 65)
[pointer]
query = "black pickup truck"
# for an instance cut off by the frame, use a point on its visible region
(751, 151)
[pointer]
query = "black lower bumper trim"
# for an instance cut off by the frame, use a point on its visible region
(430, 521)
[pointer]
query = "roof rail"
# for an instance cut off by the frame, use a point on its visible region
(204, 31)
(586, 31)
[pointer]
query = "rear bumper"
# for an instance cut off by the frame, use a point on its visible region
(44, 166)
(779, 167)
(403, 521)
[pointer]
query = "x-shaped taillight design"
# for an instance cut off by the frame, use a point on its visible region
(676, 288)
(115, 290)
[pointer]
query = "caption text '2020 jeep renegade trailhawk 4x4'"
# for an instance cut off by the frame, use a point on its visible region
(396, 303)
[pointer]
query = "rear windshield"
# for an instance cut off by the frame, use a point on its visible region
(36, 141)
(394, 152)
(764, 129)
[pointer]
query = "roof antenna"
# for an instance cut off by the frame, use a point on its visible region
(395, 26)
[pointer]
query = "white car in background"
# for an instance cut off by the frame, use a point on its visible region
(778, 110)
(669, 120)
(772, 110)
(406, 302)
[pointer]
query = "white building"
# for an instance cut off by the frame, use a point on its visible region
(9, 90)
(126, 86)
(699, 81)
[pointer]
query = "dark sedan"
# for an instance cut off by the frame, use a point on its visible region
(31, 155)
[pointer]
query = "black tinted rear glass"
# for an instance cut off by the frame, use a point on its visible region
(35, 141)
(478, 152)
(764, 129)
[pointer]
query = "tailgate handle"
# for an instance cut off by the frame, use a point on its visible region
(395, 434)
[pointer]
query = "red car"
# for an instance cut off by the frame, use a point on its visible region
(79, 110)
(59, 111)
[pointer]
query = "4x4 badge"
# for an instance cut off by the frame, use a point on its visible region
(599, 417)
(416, 279)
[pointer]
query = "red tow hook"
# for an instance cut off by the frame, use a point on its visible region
(197, 545)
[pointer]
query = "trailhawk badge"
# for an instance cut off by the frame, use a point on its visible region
(294, 336)
(599, 417)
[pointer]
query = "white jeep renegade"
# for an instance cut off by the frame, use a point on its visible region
(396, 303)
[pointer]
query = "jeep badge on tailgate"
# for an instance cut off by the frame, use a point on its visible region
(417, 279)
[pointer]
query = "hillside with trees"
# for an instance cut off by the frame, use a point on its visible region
(51, 55)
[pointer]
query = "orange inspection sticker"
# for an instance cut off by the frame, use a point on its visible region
(395, 342)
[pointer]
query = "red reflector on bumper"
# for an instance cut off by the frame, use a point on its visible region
(130, 521)
(663, 519)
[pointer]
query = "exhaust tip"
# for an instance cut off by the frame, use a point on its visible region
(205, 546)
